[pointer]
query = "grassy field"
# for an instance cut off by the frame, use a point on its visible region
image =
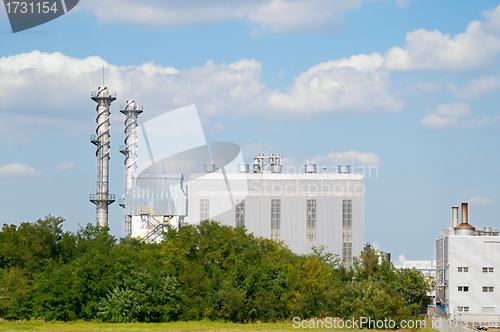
(139, 327)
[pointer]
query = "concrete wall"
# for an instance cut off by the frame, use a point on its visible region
(329, 190)
(474, 252)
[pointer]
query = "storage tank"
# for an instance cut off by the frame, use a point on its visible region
(311, 168)
(243, 168)
(277, 169)
(344, 169)
(209, 168)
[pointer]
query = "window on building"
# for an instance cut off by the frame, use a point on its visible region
(492, 249)
(311, 220)
(239, 213)
(347, 232)
(487, 270)
(463, 309)
(463, 288)
(487, 289)
(275, 219)
(204, 209)
(128, 226)
(463, 269)
(489, 310)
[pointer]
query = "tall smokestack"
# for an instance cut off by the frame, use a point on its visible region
(454, 216)
(102, 199)
(465, 214)
(131, 111)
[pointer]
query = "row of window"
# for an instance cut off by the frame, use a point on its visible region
(485, 310)
(239, 220)
(486, 289)
(466, 269)
(347, 232)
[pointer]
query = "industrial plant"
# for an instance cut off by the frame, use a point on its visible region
(467, 267)
(307, 209)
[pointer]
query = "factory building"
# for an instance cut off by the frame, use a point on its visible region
(302, 209)
(468, 267)
(155, 202)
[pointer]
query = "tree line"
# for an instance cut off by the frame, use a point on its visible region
(209, 271)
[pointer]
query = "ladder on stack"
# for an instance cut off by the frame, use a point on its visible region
(156, 224)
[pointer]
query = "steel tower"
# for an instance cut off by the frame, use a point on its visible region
(103, 97)
(131, 111)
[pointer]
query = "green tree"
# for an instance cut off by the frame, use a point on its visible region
(142, 298)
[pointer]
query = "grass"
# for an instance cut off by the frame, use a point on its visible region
(81, 326)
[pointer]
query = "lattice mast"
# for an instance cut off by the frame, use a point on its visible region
(102, 199)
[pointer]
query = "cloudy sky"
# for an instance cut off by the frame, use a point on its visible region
(407, 86)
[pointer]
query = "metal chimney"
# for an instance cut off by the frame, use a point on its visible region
(131, 111)
(102, 199)
(454, 216)
(465, 214)
(464, 228)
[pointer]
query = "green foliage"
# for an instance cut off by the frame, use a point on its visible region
(208, 271)
(144, 299)
(226, 273)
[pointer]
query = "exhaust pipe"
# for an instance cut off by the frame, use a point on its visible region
(454, 216)
(465, 213)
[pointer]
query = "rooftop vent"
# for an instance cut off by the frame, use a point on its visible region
(209, 168)
(311, 168)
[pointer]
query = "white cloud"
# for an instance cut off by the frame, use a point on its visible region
(19, 170)
(347, 158)
(43, 92)
(65, 166)
(402, 3)
(479, 201)
(476, 88)
(354, 84)
(298, 16)
(433, 50)
(492, 23)
(448, 116)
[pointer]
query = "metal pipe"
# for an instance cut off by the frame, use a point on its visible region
(465, 214)
(454, 216)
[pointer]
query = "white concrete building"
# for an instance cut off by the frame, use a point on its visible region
(468, 271)
(426, 267)
(303, 210)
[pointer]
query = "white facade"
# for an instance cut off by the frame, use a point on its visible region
(472, 264)
(468, 273)
(303, 210)
(426, 267)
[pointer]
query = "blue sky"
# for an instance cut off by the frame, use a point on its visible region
(407, 86)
